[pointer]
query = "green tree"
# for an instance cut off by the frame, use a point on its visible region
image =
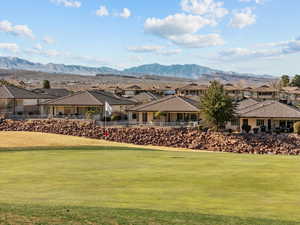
(296, 81)
(285, 80)
(216, 106)
(46, 84)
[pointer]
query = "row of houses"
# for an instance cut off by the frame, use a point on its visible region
(143, 108)
(289, 95)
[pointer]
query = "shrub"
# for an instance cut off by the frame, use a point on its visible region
(297, 128)
(246, 128)
(115, 117)
(255, 130)
(159, 115)
(263, 128)
(91, 113)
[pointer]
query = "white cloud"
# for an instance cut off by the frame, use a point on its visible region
(145, 48)
(177, 24)
(255, 1)
(18, 30)
(39, 50)
(181, 29)
(209, 8)
(11, 47)
(197, 40)
(271, 50)
(169, 52)
(55, 54)
(38, 47)
(157, 49)
(243, 18)
(102, 11)
(67, 3)
(49, 40)
(126, 13)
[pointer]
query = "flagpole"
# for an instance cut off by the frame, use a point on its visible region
(105, 122)
(108, 109)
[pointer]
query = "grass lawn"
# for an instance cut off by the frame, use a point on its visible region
(131, 185)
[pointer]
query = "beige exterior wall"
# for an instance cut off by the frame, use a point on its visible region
(275, 122)
(70, 110)
(150, 117)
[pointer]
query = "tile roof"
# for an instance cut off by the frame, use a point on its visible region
(90, 98)
(172, 103)
(266, 88)
(144, 97)
(193, 86)
(13, 92)
(269, 109)
(246, 103)
(55, 92)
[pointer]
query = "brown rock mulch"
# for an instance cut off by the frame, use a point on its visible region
(284, 144)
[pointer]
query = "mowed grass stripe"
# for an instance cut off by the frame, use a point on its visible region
(243, 186)
(60, 215)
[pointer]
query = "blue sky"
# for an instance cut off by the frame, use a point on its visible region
(251, 36)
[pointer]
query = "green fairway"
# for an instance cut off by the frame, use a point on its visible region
(115, 185)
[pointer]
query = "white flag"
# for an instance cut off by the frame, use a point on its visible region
(108, 109)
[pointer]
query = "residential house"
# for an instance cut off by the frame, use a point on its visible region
(133, 90)
(144, 97)
(192, 89)
(169, 109)
(266, 92)
(19, 101)
(234, 92)
(247, 92)
(291, 95)
(268, 115)
(79, 105)
(55, 92)
(164, 90)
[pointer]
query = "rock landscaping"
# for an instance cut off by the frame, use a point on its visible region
(284, 144)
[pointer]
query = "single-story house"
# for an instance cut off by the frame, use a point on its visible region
(55, 92)
(19, 101)
(79, 105)
(133, 90)
(269, 115)
(266, 92)
(192, 89)
(167, 109)
(144, 97)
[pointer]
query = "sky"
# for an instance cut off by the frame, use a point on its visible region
(248, 36)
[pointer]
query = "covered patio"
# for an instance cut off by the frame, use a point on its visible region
(86, 105)
(268, 116)
(171, 109)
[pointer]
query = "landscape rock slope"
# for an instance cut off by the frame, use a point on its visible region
(284, 144)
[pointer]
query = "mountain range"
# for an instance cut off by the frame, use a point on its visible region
(190, 71)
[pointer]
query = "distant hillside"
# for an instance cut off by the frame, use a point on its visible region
(188, 71)
(21, 64)
(191, 70)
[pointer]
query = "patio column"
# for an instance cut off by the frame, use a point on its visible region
(14, 106)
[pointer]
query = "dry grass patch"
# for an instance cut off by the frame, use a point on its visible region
(12, 139)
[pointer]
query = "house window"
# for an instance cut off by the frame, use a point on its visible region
(235, 122)
(179, 116)
(245, 122)
(145, 117)
(260, 123)
(134, 116)
(194, 117)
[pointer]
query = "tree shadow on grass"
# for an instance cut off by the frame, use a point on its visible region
(118, 216)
